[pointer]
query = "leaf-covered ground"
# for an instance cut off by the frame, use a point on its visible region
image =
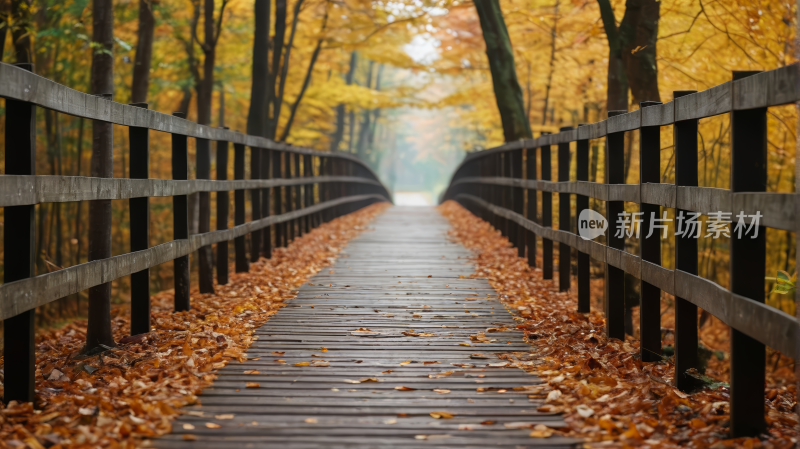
(134, 390)
(607, 394)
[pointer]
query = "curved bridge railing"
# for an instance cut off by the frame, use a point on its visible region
(493, 183)
(292, 190)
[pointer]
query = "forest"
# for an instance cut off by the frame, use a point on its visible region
(404, 85)
(410, 88)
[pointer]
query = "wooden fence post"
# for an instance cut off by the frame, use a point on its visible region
(530, 173)
(615, 277)
(298, 197)
(685, 140)
(239, 244)
(223, 211)
(308, 191)
(205, 266)
(564, 210)
(582, 203)
(649, 294)
(547, 213)
(289, 201)
(748, 262)
(19, 251)
(266, 196)
(519, 202)
(139, 211)
(180, 217)
(98, 329)
(277, 203)
(255, 203)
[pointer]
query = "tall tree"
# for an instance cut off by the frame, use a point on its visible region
(144, 52)
(258, 115)
(338, 135)
(507, 91)
(631, 52)
(307, 79)
(21, 30)
(366, 116)
(205, 88)
(98, 332)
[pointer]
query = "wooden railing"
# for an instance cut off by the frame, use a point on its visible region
(303, 187)
(491, 184)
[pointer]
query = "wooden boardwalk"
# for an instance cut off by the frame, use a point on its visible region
(401, 279)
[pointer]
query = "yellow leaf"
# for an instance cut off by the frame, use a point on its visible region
(302, 363)
(441, 415)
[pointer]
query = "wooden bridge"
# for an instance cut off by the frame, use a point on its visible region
(393, 313)
(395, 309)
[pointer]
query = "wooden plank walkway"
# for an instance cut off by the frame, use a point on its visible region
(402, 277)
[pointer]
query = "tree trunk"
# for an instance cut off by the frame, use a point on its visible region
(617, 82)
(277, 52)
(144, 52)
(5, 16)
(21, 13)
(285, 69)
(366, 115)
(258, 115)
(307, 79)
(632, 52)
(98, 331)
(553, 34)
(507, 90)
(340, 109)
(639, 32)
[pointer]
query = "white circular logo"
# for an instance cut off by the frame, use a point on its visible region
(591, 224)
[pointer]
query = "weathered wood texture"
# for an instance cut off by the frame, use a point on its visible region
(405, 268)
(17, 297)
(754, 324)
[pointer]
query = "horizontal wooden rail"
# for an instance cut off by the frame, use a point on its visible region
(773, 88)
(22, 85)
(766, 324)
(491, 182)
(18, 190)
(19, 296)
(777, 209)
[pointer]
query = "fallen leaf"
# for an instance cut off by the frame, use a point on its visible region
(227, 416)
(188, 427)
(430, 362)
(311, 420)
(323, 349)
(252, 385)
(302, 363)
(189, 437)
(441, 391)
(541, 431)
(406, 362)
(441, 415)
(404, 389)
(252, 371)
(212, 425)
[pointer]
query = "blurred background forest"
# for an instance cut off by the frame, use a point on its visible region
(403, 84)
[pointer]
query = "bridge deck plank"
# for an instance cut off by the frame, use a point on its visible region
(404, 267)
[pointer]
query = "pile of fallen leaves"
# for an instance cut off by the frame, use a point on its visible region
(133, 390)
(607, 394)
